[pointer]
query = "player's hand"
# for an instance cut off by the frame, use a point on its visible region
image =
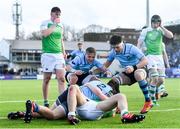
(78, 72)
(108, 73)
(129, 69)
(57, 20)
(65, 56)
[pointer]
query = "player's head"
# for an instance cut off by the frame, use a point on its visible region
(116, 43)
(90, 54)
(155, 21)
(80, 45)
(114, 85)
(55, 12)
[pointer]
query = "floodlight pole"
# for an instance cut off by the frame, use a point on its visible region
(17, 17)
(147, 13)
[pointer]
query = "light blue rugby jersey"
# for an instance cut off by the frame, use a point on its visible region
(130, 55)
(80, 63)
(77, 52)
(106, 90)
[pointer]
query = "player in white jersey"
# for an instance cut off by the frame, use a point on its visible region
(152, 37)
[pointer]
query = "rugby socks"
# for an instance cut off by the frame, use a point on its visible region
(71, 114)
(152, 90)
(35, 107)
(144, 88)
(46, 103)
(123, 112)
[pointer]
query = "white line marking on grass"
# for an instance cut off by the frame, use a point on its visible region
(163, 110)
(22, 101)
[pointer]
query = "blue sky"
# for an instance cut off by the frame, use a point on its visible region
(81, 13)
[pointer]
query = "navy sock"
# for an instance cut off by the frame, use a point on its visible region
(144, 88)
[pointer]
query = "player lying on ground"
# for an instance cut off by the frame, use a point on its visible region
(95, 90)
(74, 100)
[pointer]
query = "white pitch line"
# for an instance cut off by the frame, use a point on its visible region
(163, 110)
(21, 101)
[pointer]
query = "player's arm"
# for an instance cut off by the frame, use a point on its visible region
(63, 48)
(143, 62)
(139, 44)
(166, 32)
(107, 64)
(102, 69)
(142, 59)
(72, 66)
(97, 91)
(47, 31)
(165, 57)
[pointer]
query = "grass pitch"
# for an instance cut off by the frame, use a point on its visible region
(14, 93)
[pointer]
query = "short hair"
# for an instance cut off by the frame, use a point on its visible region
(115, 86)
(80, 43)
(91, 50)
(115, 40)
(56, 9)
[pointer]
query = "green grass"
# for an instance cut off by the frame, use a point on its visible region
(21, 90)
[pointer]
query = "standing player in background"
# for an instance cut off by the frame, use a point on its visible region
(152, 37)
(160, 91)
(79, 51)
(52, 59)
(133, 61)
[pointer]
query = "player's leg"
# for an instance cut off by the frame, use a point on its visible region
(153, 74)
(161, 92)
(75, 98)
(34, 110)
(60, 72)
(140, 76)
(120, 101)
(45, 87)
(47, 63)
(60, 75)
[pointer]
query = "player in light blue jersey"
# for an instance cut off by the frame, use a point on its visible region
(77, 52)
(79, 68)
(133, 61)
(97, 90)
(94, 90)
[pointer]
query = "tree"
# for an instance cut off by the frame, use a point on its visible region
(36, 35)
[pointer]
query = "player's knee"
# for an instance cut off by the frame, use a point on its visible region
(120, 96)
(47, 79)
(154, 79)
(61, 79)
(160, 81)
(140, 74)
(73, 79)
(72, 87)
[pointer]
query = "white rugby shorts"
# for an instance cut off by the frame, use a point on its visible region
(51, 61)
(89, 111)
